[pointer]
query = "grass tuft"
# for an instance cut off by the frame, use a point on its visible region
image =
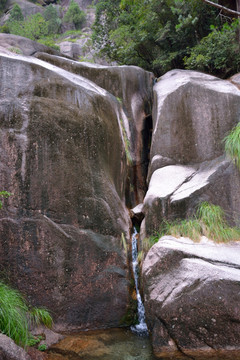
(209, 221)
(232, 144)
(15, 316)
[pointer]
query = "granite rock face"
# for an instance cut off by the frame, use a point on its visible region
(60, 230)
(10, 351)
(132, 86)
(192, 113)
(191, 294)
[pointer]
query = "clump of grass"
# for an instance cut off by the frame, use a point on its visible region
(16, 316)
(41, 316)
(209, 221)
(232, 144)
(13, 315)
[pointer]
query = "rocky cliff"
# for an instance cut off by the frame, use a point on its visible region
(63, 157)
(74, 152)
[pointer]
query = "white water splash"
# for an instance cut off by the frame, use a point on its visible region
(141, 327)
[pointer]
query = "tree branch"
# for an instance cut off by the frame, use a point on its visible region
(233, 12)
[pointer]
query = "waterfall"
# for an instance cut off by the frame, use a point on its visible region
(141, 327)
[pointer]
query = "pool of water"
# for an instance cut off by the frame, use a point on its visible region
(111, 344)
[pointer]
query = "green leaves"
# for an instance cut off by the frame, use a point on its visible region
(4, 194)
(15, 316)
(75, 15)
(154, 34)
(218, 53)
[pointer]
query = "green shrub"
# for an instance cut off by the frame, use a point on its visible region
(75, 15)
(16, 316)
(50, 42)
(51, 16)
(4, 194)
(42, 347)
(232, 144)
(218, 53)
(34, 27)
(16, 14)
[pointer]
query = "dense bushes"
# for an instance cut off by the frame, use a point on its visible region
(218, 53)
(42, 27)
(160, 35)
(154, 34)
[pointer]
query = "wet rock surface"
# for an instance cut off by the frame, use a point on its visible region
(61, 229)
(191, 299)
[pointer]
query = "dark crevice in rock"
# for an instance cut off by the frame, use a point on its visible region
(171, 336)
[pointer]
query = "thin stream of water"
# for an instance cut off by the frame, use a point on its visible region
(141, 327)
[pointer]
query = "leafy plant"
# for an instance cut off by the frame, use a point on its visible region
(42, 347)
(75, 15)
(232, 144)
(217, 53)
(16, 14)
(4, 194)
(153, 34)
(34, 27)
(51, 16)
(15, 315)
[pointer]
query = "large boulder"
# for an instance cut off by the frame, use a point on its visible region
(17, 44)
(192, 113)
(191, 293)
(62, 157)
(10, 351)
(132, 86)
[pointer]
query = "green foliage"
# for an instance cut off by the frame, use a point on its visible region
(218, 53)
(232, 144)
(2, 5)
(15, 50)
(4, 194)
(41, 316)
(42, 347)
(34, 27)
(209, 221)
(15, 316)
(75, 15)
(50, 42)
(153, 34)
(16, 14)
(34, 340)
(51, 16)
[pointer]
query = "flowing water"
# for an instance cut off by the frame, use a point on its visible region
(141, 327)
(111, 344)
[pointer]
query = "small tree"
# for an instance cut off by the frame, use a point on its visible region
(51, 16)
(16, 14)
(75, 15)
(2, 5)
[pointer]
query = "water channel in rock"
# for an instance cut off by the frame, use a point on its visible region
(110, 344)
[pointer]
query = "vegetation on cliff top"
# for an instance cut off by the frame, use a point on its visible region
(160, 35)
(208, 221)
(232, 144)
